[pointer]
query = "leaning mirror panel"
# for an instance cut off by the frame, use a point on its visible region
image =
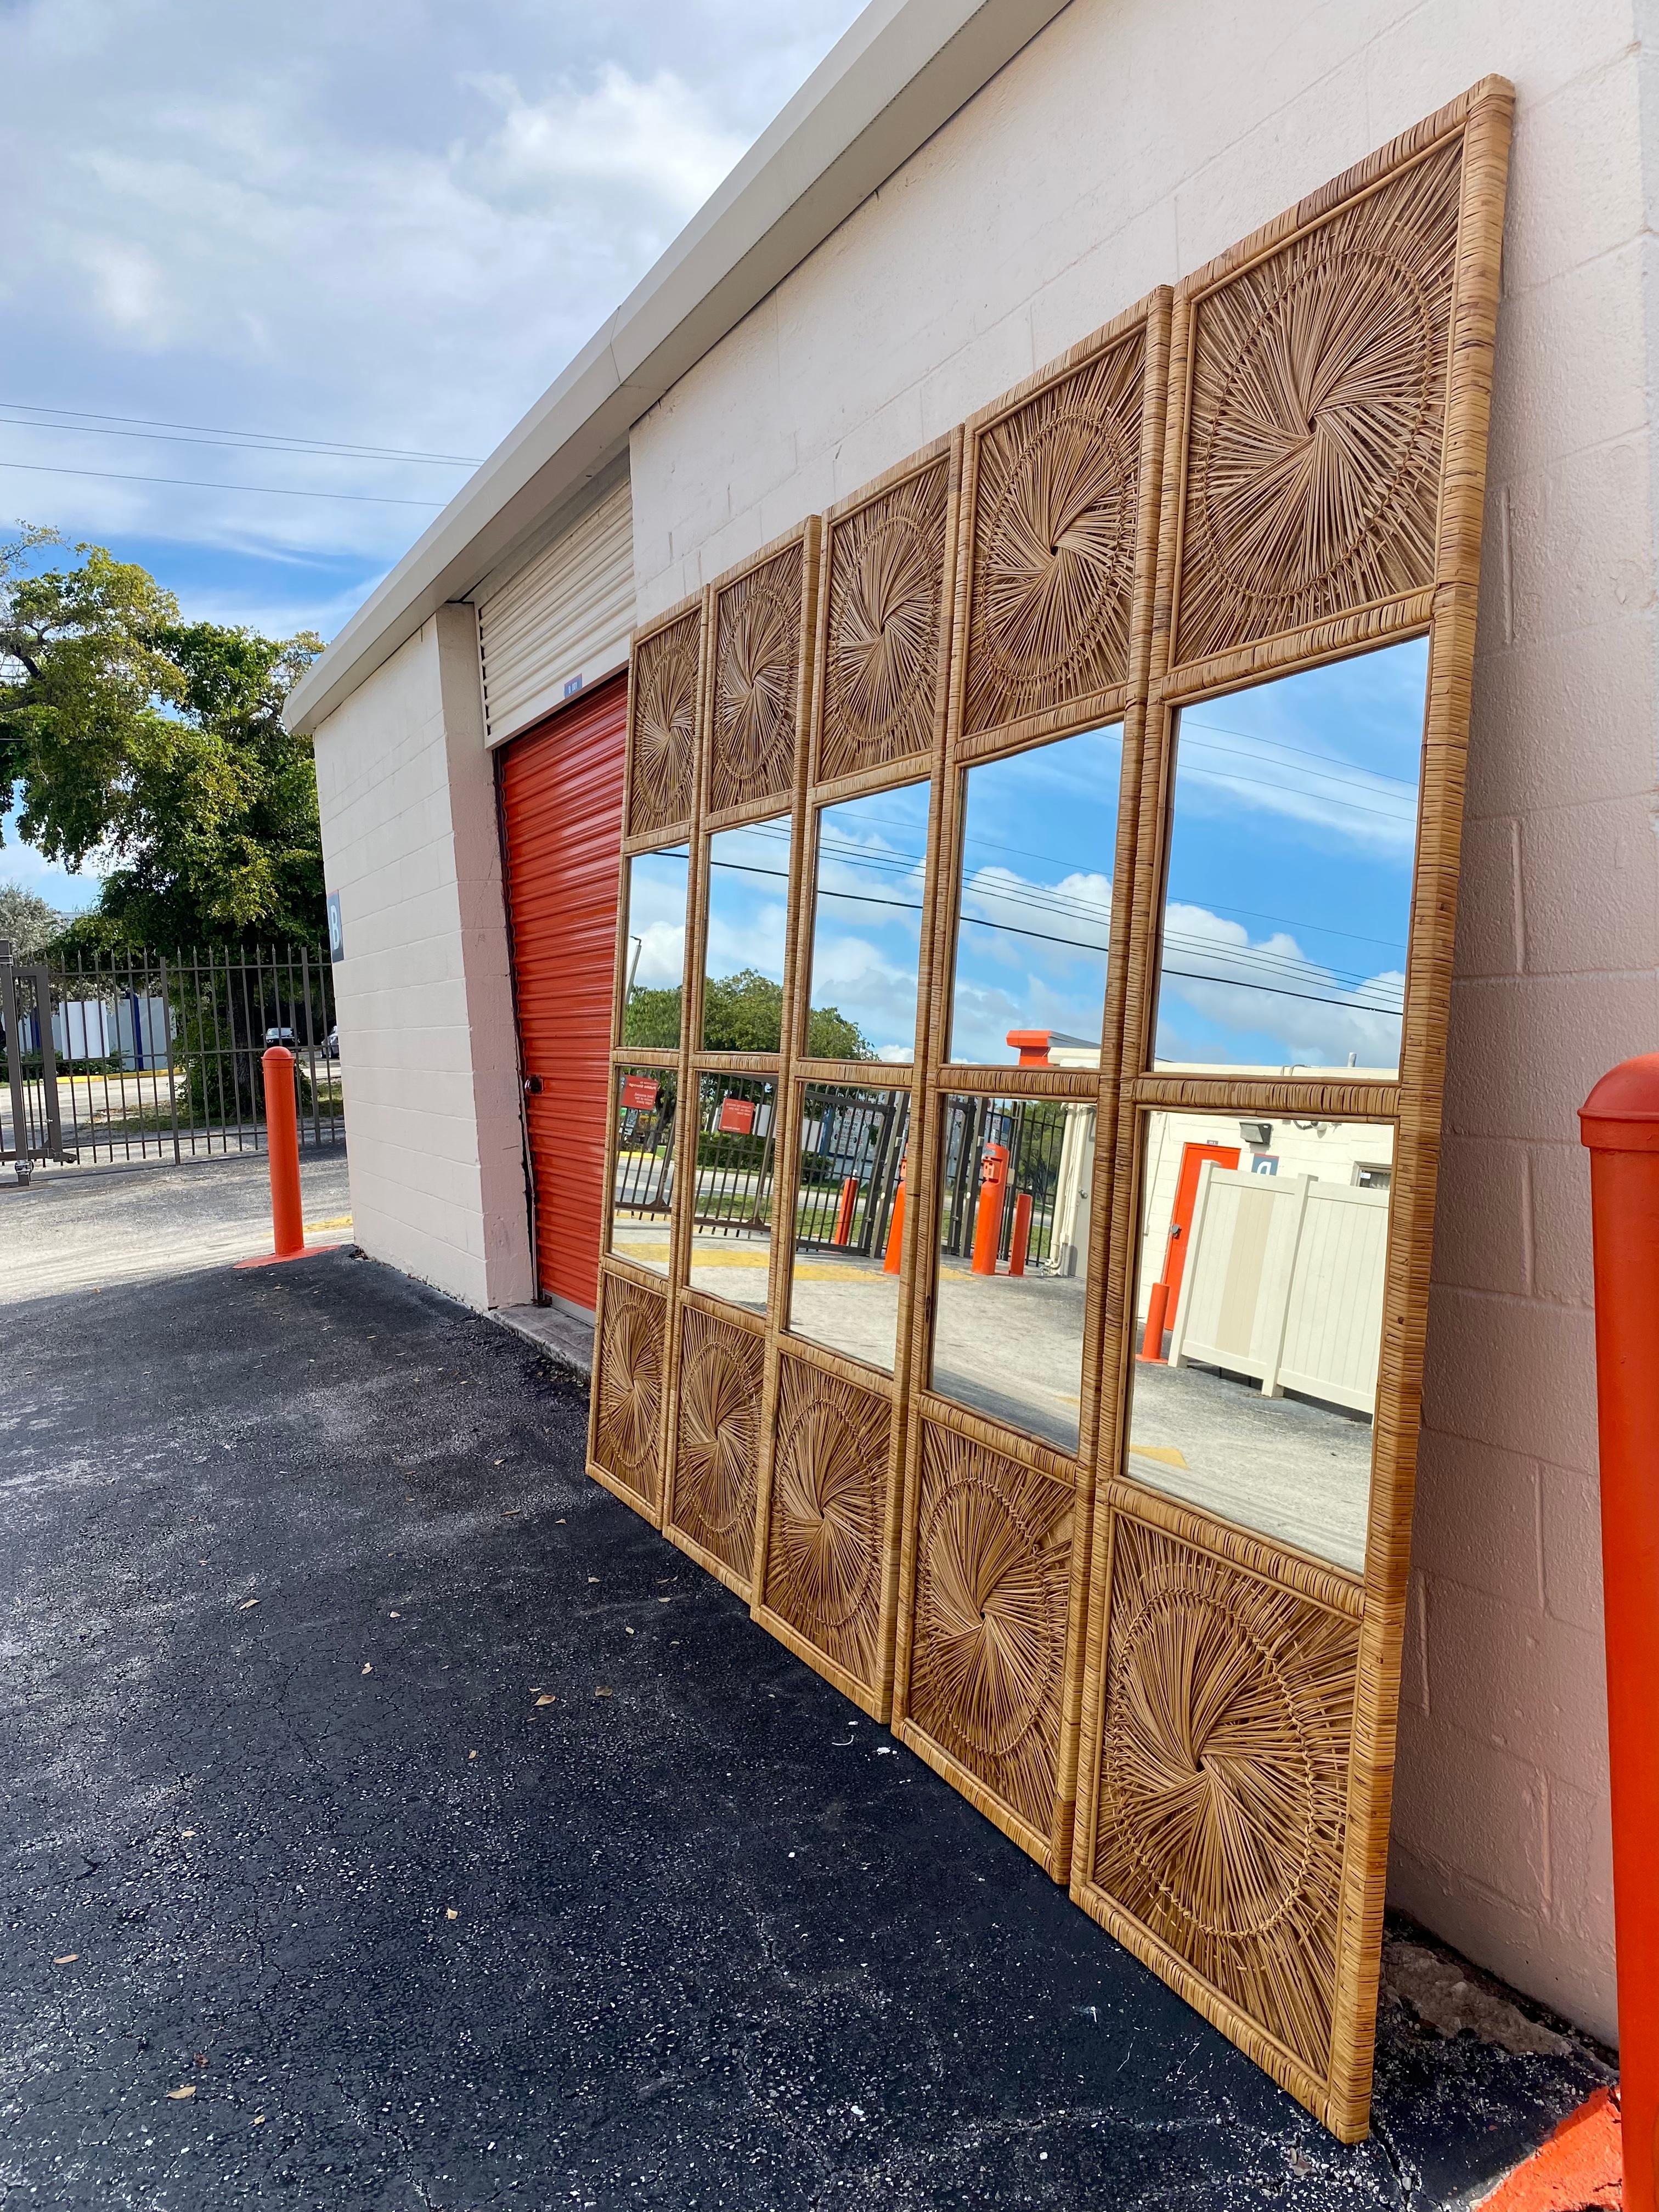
(653, 954)
(642, 1184)
(849, 1219)
(866, 926)
(733, 1188)
(1258, 1322)
(1035, 903)
(1016, 1176)
(747, 933)
(1288, 894)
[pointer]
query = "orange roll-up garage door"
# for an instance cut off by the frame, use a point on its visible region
(561, 793)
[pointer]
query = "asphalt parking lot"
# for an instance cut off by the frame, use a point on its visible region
(395, 1821)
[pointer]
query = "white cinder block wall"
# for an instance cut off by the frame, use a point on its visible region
(1125, 146)
(429, 1053)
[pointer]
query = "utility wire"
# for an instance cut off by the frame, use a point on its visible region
(268, 439)
(202, 483)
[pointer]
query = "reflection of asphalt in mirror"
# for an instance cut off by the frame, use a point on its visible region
(1010, 1347)
(1292, 1469)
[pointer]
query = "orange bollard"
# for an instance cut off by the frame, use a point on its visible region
(282, 1148)
(988, 1220)
(1020, 1243)
(1157, 1305)
(1619, 1124)
(849, 1199)
(889, 1265)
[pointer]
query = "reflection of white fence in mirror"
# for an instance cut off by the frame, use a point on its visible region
(1285, 1283)
(1073, 1183)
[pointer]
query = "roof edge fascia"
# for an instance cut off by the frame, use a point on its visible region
(899, 73)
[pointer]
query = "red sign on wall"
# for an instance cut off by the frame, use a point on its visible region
(737, 1116)
(640, 1092)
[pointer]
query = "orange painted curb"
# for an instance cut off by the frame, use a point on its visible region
(1581, 2166)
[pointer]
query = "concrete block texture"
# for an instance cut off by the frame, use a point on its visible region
(429, 1054)
(1122, 147)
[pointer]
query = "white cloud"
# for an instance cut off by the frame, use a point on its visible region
(1252, 989)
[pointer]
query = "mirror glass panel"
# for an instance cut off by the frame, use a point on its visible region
(1016, 1179)
(1039, 841)
(1259, 1322)
(866, 926)
(642, 1189)
(748, 931)
(732, 1208)
(849, 1219)
(659, 884)
(1288, 898)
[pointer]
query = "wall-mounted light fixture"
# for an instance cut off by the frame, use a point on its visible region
(1256, 1133)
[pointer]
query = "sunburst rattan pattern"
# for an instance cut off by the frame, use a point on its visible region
(994, 1558)
(1318, 407)
(757, 671)
(629, 1385)
(1225, 1774)
(881, 664)
(721, 1372)
(1053, 546)
(823, 1553)
(664, 734)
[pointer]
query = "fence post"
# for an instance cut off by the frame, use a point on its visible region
(282, 1147)
(987, 1219)
(1022, 1236)
(1619, 1124)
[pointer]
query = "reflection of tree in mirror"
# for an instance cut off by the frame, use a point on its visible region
(740, 1013)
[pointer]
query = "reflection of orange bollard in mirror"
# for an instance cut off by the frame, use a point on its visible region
(1157, 1305)
(889, 1265)
(1020, 1243)
(988, 1221)
(282, 1147)
(849, 1199)
(1619, 1123)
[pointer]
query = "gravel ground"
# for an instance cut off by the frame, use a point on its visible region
(311, 1899)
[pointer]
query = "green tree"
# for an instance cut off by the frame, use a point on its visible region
(28, 924)
(156, 747)
(740, 1013)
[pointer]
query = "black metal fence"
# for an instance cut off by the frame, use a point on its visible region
(149, 1055)
(1035, 1133)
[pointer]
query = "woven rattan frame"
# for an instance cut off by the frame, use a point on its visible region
(1434, 198)
(1134, 527)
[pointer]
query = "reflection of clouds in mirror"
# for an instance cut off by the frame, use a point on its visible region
(748, 900)
(1290, 876)
(657, 889)
(1037, 895)
(1258, 1322)
(866, 935)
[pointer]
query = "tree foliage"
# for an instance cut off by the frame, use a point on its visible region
(740, 1013)
(28, 924)
(155, 748)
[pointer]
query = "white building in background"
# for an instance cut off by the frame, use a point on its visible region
(958, 194)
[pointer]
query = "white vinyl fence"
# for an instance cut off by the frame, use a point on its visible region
(1284, 1282)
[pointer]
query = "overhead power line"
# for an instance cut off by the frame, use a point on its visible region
(202, 484)
(265, 441)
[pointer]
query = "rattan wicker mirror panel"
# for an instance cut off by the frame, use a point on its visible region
(849, 1219)
(731, 1193)
(868, 909)
(630, 1358)
(1323, 484)
(662, 726)
(711, 1502)
(885, 563)
(655, 899)
(754, 717)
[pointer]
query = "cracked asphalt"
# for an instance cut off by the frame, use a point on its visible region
(293, 1562)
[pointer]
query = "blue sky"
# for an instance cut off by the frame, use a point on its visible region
(1038, 848)
(866, 927)
(1289, 890)
(390, 226)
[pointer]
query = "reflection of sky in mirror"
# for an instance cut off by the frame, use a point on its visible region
(1037, 895)
(1289, 892)
(866, 931)
(657, 887)
(748, 899)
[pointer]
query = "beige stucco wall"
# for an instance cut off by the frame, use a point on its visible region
(1126, 146)
(428, 1048)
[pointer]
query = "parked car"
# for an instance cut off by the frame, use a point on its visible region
(332, 1044)
(280, 1036)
